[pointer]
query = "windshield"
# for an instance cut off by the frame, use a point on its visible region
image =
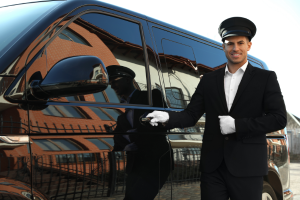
(16, 20)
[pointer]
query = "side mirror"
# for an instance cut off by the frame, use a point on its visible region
(72, 76)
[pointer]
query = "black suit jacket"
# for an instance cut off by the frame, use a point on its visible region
(258, 109)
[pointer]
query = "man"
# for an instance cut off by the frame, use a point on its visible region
(242, 104)
(148, 155)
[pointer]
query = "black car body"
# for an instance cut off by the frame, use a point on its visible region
(58, 112)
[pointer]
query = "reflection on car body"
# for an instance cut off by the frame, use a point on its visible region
(59, 115)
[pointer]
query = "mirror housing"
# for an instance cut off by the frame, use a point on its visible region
(72, 76)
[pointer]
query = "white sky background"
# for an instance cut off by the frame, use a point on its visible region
(277, 41)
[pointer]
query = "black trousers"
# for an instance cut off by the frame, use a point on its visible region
(221, 185)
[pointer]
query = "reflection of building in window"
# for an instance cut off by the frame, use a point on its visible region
(19, 187)
(64, 145)
(5, 183)
(102, 143)
(68, 34)
(97, 72)
(106, 144)
(174, 98)
(86, 157)
(106, 113)
(56, 145)
(109, 95)
(63, 111)
(73, 98)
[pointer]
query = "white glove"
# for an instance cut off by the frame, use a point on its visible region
(227, 124)
(158, 116)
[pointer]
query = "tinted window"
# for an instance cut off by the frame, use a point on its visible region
(70, 111)
(179, 70)
(86, 157)
(65, 158)
(114, 40)
(51, 110)
(46, 145)
(183, 60)
(111, 95)
(174, 98)
(100, 113)
(65, 144)
(207, 55)
(109, 141)
(100, 97)
(63, 111)
(99, 143)
(56, 145)
(5, 183)
(112, 112)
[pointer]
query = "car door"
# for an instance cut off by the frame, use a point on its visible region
(72, 117)
(15, 153)
(184, 59)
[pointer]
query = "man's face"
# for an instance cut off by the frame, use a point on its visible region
(236, 48)
(121, 85)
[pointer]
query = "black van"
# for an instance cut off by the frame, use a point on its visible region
(62, 129)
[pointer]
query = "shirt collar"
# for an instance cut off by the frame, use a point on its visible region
(243, 68)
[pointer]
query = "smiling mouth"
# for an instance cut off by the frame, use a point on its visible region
(235, 55)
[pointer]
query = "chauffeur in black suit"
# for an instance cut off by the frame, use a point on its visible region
(148, 155)
(242, 104)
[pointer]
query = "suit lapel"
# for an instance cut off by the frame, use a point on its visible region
(243, 84)
(220, 83)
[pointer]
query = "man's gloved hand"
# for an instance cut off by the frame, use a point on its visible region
(227, 124)
(158, 116)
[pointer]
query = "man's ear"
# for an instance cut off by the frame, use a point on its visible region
(249, 46)
(223, 45)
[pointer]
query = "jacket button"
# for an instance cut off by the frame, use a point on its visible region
(226, 138)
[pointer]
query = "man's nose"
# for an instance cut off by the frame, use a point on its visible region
(235, 47)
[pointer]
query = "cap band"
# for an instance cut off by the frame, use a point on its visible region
(248, 33)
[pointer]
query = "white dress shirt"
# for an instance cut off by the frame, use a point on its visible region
(231, 84)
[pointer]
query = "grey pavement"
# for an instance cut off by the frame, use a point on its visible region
(295, 179)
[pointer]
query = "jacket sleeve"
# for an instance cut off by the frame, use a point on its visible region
(192, 113)
(274, 117)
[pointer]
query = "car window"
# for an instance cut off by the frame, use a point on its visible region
(115, 41)
(179, 72)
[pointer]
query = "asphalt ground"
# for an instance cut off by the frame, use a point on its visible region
(295, 179)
